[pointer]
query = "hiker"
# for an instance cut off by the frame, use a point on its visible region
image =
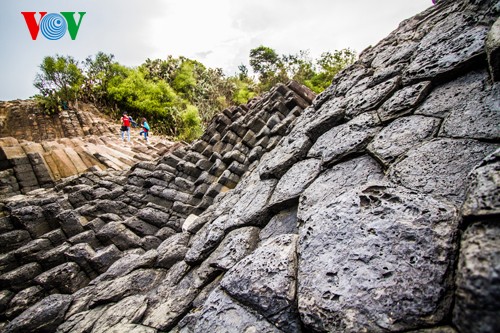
(145, 129)
(125, 126)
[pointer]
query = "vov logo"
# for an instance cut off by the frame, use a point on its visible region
(53, 26)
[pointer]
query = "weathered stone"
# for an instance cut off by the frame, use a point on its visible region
(172, 299)
(222, 314)
(346, 139)
(66, 278)
(21, 277)
(155, 217)
(270, 291)
(172, 250)
(82, 322)
(13, 239)
(28, 253)
(23, 300)
(5, 297)
(71, 222)
(478, 118)
(370, 99)
(285, 222)
(32, 219)
(127, 311)
(290, 150)
(56, 237)
(140, 227)
(53, 257)
(442, 173)
(449, 45)
(401, 135)
(440, 329)
(477, 301)
(295, 181)
(138, 281)
(483, 196)
(44, 316)
(333, 182)
(236, 245)
(350, 281)
(104, 258)
(453, 95)
(118, 234)
(205, 240)
(130, 328)
(403, 101)
(493, 50)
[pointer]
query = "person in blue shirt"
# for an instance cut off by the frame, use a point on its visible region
(145, 129)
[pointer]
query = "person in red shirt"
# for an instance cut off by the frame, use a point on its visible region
(125, 126)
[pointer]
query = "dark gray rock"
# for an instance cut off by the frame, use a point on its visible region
(401, 135)
(173, 298)
(5, 298)
(138, 281)
(440, 329)
(21, 277)
(130, 328)
(346, 139)
(370, 99)
(53, 257)
(266, 281)
(222, 314)
(483, 195)
(66, 278)
(127, 264)
(478, 118)
(477, 302)
(127, 311)
(295, 181)
(337, 180)
(493, 50)
(235, 246)
(140, 227)
(449, 45)
(403, 101)
(290, 150)
(13, 239)
(32, 219)
(172, 250)
(156, 217)
(118, 234)
(453, 95)
(104, 257)
(441, 166)
(206, 240)
(285, 222)
(28, 253)
(44, 316)
(23, 300)
(315, 123)
(351, 281)
(71, 222)
(82, 322)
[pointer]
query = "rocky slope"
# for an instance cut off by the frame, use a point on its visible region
(38, 150)
(374, 209)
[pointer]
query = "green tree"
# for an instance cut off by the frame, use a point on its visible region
(99, 71)
(59, 82)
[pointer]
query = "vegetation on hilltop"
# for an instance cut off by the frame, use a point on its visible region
(178, 96)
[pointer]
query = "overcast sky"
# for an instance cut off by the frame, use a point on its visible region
(218, 33)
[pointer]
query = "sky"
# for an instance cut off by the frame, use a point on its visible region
(218, 33)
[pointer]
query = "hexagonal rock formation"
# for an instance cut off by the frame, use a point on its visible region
(370, 208)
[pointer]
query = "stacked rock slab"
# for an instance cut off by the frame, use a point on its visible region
(67, 239)
(49, 148)
(376, 211)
